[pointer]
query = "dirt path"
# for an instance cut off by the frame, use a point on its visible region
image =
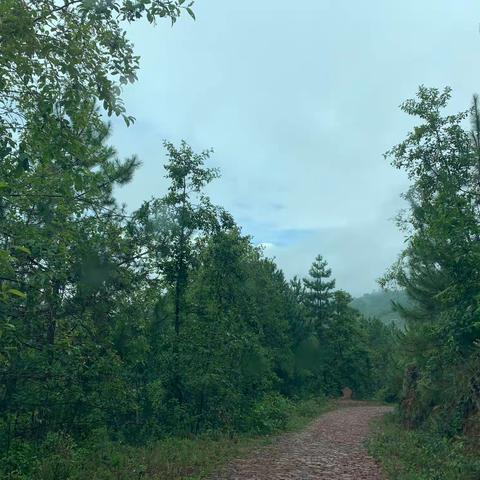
(331, 448)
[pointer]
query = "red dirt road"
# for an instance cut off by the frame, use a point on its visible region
(331, 448)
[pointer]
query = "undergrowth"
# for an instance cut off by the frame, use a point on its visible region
(59, 457)
(422, 454)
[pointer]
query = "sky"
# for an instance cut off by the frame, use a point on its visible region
(299, 101)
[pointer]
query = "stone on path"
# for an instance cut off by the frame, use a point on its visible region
(347, 393)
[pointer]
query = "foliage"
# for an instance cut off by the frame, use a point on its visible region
(318, 293)
(386, 361)
(433, 432)
(123, 330)
(170, 458)
(57, 55)
(112, 343)
(270, 414)
(58, 62)
(422, 455)
(335, 344)
(439, 268)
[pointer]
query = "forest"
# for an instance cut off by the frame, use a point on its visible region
(120, 330)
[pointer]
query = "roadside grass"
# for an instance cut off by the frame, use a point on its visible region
(422, 455)
(172, 458)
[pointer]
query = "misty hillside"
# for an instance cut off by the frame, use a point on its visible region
(379, 304)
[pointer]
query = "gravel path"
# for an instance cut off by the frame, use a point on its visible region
(331, 448)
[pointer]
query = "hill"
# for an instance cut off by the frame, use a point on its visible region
(379, 304)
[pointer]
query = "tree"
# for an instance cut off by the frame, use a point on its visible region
(58, 62)
(230, 367)
(318, 294)
(172, 230)
(183, 217)
(439, 267)
(58, 363)
(55, 55)
(349, 359)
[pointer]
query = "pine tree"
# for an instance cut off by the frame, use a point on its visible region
(319, 293)
(439, 267)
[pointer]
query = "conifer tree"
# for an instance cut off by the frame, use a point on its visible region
(439, 267)
(319, 293)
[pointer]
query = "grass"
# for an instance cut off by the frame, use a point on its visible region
(168, 459)
(422, 455)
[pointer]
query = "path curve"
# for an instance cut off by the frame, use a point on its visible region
(331, 448)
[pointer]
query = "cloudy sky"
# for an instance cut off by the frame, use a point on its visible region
(299, 101)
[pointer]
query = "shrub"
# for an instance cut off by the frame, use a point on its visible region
(422, 454)
(270, 414)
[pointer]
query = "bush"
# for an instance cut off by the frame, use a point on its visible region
(270, 414)
(53, 459)
(20, 459)
(311, 407)
(422, 454)
(99, 457)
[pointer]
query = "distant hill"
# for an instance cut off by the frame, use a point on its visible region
(379, 304)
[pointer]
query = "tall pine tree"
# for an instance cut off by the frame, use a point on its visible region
(319, 293)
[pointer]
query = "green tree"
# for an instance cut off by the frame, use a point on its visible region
(319, 293)
(56, 55)
(59, 367)
(173, 230)
(58, 62)
(349, 362)
(439, 267)
(385, 357)
(183, 218)
(231, 367)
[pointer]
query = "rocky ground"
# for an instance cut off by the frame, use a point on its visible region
(331, 448)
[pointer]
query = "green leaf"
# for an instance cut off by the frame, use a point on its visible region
(190, 12)
(23, 249)
(17, 293)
